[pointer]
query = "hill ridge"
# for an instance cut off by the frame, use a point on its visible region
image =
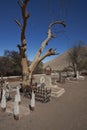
(60, 62)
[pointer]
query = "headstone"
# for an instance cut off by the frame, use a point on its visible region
(42, 79)
(80, 76)
(18, 95)
(77, 74)
(3, 101)
(16, 108)
(32, 101)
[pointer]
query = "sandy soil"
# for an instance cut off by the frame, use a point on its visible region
(68, 112)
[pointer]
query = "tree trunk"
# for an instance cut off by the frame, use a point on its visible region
(22, 47)
(25, 74)
(75, 70)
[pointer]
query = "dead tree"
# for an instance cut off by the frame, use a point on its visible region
(27, 72)
(22, 47)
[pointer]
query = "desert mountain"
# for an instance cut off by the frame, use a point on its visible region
(60, 62)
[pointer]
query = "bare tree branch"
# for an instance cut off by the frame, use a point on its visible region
(49, 36)
(20, 2)
(18, 23)
(57, 22)
(48, 53)
(25, 16)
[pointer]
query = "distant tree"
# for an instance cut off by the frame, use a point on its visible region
(10, 63)
(5, 65)
(39, 69)
(78, 58)
(28, 71)
(15, 59)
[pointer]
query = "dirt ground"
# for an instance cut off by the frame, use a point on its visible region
(67, 112)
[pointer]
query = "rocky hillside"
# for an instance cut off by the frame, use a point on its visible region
(60, 62)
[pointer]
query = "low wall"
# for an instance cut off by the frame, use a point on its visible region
(12, 78)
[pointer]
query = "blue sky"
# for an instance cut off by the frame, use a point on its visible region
(42, 12)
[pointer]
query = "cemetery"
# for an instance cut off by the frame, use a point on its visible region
(11, 94)
(45, 86)
(35, 94)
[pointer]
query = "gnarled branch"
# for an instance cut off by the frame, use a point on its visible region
(48, 53)
(57, 22)
(49, 36)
